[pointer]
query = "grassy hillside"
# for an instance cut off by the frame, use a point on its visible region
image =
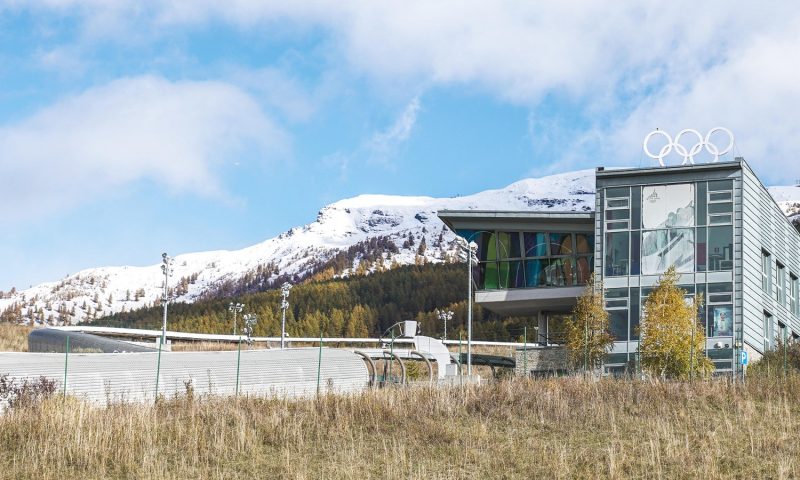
(564, 428)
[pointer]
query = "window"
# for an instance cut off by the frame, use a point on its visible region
(634, 313)
(668, 206)
(720, 249)
(617, 307)
(780, 283)
(617, 208)
(720, 309)
(769, 333)
(766, 272)
(793, 292)
(662, 248)
(720, 202)
(510, 260)
(616, 254)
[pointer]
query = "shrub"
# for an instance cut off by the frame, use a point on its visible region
(28, 392)
(771, 363)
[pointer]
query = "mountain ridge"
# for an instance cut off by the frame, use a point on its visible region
(357, 234)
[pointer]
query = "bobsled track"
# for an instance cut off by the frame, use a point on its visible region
(103, 378)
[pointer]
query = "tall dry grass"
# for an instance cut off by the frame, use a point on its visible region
(561, 428)
(14, 337)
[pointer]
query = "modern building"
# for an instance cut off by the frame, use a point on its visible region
(715, 222)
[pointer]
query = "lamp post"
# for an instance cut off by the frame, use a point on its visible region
(444, 315)
(471, 248)
(235, 308)
(166, 269)
(284, 305)
(250, 320)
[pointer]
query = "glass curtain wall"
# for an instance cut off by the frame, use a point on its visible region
(648, 228)
(509, 260)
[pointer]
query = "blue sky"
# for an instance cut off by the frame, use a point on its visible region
(132, 128)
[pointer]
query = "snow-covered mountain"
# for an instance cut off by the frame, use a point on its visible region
(395, 226)
(364, 232)
(788, 199)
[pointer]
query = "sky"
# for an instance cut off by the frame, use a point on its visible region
(131, 128)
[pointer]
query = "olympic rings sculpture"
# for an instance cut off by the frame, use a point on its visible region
(688, 154)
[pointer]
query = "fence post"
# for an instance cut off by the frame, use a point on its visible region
(238, 362)
(158, 365)
(66, 362)
(525, 350)
(319, 361)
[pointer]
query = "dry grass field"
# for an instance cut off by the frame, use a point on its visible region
(13, 337)
(562, 428)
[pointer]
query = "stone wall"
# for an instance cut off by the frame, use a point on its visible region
(541, 360)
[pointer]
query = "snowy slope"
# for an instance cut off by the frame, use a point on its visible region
(101, 291)
(788, 199)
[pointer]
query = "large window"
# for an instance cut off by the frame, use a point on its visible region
(662, 248)
(617, 254)
(667, 206)
(531, 259)
(668, 220)
(720, 248)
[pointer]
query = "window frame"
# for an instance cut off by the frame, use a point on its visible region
(613, 225)
(768, 331)
(780, 283)
(766, 272)
(793, 300)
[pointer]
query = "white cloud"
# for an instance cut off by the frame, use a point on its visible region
(141, 128)
(380, 148)
(627, 65)
(754, 93)
(384, 144)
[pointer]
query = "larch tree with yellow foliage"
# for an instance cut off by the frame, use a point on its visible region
(586, 334)
(672, 339)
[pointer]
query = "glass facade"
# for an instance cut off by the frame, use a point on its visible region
(648, 228)
(508, 259)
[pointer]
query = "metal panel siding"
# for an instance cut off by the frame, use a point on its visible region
(765, 226)
(102, 378)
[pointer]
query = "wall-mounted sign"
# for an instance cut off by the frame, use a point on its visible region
(687, 153)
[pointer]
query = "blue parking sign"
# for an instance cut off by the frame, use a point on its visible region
(744, 358)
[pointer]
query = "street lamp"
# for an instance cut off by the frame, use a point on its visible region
(235, 308)
(250, 319)
(284, 305)
(444, 315)
(470, 249)
(166, 269)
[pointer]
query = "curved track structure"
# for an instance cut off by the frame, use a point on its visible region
(51, 340)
